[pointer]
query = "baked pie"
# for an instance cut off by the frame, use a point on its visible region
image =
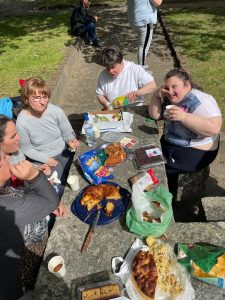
(93, 195)
(144, 274)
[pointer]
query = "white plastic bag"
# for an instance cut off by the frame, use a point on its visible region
(124, 274)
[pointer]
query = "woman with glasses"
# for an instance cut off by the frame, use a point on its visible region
(45, 131)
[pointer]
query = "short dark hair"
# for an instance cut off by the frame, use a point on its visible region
(3, 123)
(111, 56)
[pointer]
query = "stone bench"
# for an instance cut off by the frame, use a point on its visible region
(214, 208)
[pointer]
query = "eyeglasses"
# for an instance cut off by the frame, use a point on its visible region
(38, 98)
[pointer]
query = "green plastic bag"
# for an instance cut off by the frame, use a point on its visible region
(144, 229)
(204, 255)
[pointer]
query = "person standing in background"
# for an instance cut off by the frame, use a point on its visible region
(142, 14)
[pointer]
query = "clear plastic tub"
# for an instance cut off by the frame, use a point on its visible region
(148, 156)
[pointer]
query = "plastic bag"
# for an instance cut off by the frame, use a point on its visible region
(124, 273)
(145, 202)
(205, 262)
(92, 168)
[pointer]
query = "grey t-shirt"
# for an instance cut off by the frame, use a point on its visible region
(46, 136)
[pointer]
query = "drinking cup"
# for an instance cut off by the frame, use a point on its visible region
(73, 182)
(56, 266)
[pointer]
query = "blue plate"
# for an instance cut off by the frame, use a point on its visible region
(88, 216)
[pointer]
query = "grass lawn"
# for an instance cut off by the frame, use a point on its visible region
(49, 3)
(199, 38)
(31, 46)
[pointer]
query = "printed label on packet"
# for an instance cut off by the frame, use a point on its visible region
(153, 152)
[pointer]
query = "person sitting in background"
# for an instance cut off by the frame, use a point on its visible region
(35, 234)
(18, 209)
(190, 140)
(122, 78)
(142, 14)
(45, 131)
(81, 23)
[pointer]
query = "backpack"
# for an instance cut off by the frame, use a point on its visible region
(6, 106)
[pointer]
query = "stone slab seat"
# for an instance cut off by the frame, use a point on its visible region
(214, 208)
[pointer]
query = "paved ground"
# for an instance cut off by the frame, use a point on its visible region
(79, 94)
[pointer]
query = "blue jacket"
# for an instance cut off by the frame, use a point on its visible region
(174, 132)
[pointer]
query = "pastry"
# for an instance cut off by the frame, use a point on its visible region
(109, 291)
(105, 292)
(109, 208)
(116, 154)
(144, 274)
(91, 294)
(94, 194)
(110, 191)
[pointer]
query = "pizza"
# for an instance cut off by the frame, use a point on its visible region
(144, 274)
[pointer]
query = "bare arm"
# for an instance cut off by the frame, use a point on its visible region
(145, 90)
(104, 101)
(198, 124)
(155, 105)
(156, 2)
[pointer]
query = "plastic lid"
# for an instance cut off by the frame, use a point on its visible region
(86, 117)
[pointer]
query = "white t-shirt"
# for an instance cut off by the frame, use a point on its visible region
(208, 108)
(131, 78)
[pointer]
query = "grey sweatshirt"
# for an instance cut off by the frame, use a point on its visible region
(46, 136)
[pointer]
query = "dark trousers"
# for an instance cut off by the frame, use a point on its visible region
(90, 28)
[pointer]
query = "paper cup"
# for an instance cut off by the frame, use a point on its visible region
(56, 266)
(168, 107)
(73, 182)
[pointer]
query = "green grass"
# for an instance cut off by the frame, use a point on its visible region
(199, 37)
(31, 46)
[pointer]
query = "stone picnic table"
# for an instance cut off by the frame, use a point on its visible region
(113, 239)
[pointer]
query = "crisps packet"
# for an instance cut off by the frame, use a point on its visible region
(205, 262)
(92, 168)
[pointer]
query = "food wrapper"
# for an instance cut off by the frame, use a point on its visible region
(151, 213)
(120, 101)
(180, 289)
(145, 180)
(204, 261)
(92, 168)
(113, 122)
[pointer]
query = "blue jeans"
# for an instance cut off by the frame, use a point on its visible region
(90, 28)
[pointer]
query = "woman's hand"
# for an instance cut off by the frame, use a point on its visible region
(45, 169)
(24, 170)
(61, 211)
(132, 96)
(74, 143)
(52, 162)
(176, 114)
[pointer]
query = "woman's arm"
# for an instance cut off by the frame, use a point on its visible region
(201, 125)
(104, 101)
(40, 198)
(155, 105)
(145, 90)
(156, 2)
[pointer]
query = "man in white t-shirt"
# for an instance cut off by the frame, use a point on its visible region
(122, 78)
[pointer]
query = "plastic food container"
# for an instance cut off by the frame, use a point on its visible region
(148, 156)
(98, 288)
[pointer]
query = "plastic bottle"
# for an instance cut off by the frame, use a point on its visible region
(89, 130)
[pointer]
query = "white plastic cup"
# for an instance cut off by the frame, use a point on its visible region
(56, 266)
(73, 182)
